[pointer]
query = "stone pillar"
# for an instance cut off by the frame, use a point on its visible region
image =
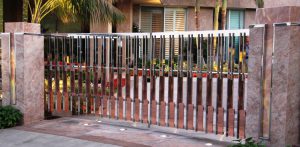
(273, 105)
(23, 70)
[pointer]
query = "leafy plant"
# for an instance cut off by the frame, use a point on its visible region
(9, 117)
(248, 142)
(83, 11)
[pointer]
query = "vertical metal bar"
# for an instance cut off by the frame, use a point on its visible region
(190, 107)
(50, 90)
(111, 79)
(120, 80)
(127, 66)
(230, 110)
(180, 104)
(220, 110)
(57, 76)
(65, 76)
(144, 82)
(136, 80)
(209, 112)
(171, 104)
(153, 83)
(103, 78)
(162, 84)
(199, 105)
(95, 75)
(241, 91)
(72, 74)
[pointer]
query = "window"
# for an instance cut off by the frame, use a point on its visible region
(151, 19)
(155, 19)
(174, 21)
(235, 19)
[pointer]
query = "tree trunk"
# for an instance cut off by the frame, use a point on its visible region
(197, 11)
(216, 25)
(224, 13)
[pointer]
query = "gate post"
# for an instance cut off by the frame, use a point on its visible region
(23, 70)
(273, 105)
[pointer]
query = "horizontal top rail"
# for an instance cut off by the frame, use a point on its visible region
(141, 35)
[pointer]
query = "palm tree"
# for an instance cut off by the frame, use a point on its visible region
(224, 13)
(82, 11)
(197, 10)
(216, 24)
(259, 3)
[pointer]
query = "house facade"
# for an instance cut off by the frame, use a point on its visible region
(178, 15)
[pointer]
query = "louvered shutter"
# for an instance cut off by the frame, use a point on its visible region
(174, 21)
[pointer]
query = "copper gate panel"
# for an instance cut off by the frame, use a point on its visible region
(200, 118)
(190, 116)
(231, 122)
(113, 107)
(104, 106)
(210, 115)
(162, 114)
(180, 115)
(220, 121)
(145, 111)
(120, 113)
(171, 114)
(128, 109)
(153, 112)
(242, 123)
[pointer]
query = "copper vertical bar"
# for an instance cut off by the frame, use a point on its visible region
(180, 105)
(103, 78)
(241, 90)
(199, 106)
(65, 71)
(162, 82)
(95, 75)
(220, 110)
(144, 82)
(112, 100)
(57, 77)
(87, 75)
(152, 83)
(230, 110)
(190, 106)
(171, 109)
(209, 117)
(119, 75)
(50, 62)
(127, 66)
(136, 81)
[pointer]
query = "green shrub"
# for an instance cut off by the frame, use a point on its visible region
(9, 116)
(249, 142)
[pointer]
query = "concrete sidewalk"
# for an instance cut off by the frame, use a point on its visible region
(91, 131)
(19, 138)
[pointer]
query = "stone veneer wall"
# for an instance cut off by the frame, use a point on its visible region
(29, 61)
(281, 87)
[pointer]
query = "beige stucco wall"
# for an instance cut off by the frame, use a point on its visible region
(127, 8)
(249, 18)
(278, 3)
(205, 19)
